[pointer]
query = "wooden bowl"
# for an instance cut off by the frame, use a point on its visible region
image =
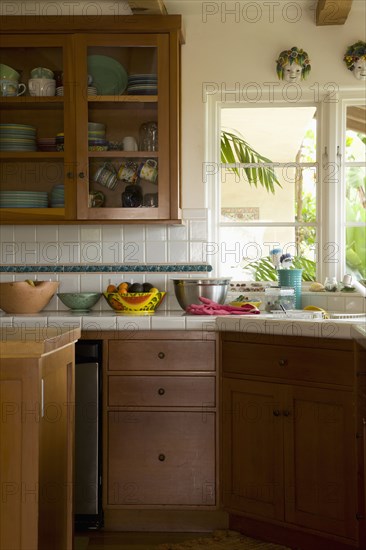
(26, 297)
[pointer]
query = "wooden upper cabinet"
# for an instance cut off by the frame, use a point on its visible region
(120, 79)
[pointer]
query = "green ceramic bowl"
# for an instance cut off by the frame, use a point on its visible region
(79, 301)
(8, 73)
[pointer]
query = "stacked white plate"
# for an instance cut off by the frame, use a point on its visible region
(142, 84)
(17, 137)
(92, 90)
(60, 90)
(23, 199)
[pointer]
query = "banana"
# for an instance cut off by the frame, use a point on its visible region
(315, 308)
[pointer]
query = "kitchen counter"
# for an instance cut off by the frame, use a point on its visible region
(23, 341)
(264, 323)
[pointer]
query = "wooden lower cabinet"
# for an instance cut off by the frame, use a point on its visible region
(37, 442)
(289, 444)
(160, 447)
(161, 458)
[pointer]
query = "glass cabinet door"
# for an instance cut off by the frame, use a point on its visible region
(37, 138)
(122, 127)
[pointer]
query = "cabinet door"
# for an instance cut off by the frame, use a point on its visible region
(320, 465)
(123, 100)
(37, 170)
(161, 458)
(56, 451)
(252, 447)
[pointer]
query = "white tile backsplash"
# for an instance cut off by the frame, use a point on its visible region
(198, 230)
(91, 283)
(177, 251)
(178, 233)
(156, 233)
(196, 252)
(90, 233)
(68, 233)
(128, 244)
(47, 233)
(133, 252)
(156, 252)
(132, 233)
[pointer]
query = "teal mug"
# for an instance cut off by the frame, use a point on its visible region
(11, 88)
(106, 175)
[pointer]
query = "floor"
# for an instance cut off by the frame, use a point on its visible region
(123, 541)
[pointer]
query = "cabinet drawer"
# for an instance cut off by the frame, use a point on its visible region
(287, 362)
(161, 355)
(161, 458)
(161, 391)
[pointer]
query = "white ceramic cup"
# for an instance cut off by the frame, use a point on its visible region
(129, 143)
(42, 86)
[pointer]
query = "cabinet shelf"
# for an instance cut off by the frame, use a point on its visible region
(123, 99)
(26, 102)
(31, 155)
(123, 154)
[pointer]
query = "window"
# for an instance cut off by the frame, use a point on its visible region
(354, 174)
(287, 180)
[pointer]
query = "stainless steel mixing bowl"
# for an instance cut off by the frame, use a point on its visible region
(188, 291)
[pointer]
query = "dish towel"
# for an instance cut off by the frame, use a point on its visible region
(209, 307)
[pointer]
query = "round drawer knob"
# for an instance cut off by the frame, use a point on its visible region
(161, 458)
(276, 412)
(161, 355)
(286, 413)
(81, 175)
(282, 362)
(161, 391)
(70, 175)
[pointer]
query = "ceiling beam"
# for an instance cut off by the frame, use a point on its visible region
(148, 7)
(332, 12)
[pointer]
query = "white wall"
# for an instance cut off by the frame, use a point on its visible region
(226, 49)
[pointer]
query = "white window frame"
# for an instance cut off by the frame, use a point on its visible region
(330, 194)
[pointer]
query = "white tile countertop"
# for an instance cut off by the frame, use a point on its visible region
(264, 323)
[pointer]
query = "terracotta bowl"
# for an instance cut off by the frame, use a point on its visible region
(135, 303)
(22, 297)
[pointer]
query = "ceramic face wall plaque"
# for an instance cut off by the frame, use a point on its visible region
(293, 65)
(355, 59)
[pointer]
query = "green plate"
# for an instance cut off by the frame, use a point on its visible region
(109, 76)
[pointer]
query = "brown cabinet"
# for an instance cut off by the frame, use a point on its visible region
(119, 75)
(161, 422)
(289, 438)
(37, 439)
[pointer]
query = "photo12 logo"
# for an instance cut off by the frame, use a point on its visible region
(251, 12)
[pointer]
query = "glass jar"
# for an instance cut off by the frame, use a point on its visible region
(276, 296)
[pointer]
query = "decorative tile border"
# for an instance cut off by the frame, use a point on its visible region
(106, 268)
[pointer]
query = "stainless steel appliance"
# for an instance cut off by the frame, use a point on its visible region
(88, 442)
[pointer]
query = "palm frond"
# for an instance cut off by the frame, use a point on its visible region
(234, 150)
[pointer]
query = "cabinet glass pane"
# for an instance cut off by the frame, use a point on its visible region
(123, 140)
(32, 160)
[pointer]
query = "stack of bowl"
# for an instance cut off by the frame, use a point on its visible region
(60, 141)
(97, 137)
